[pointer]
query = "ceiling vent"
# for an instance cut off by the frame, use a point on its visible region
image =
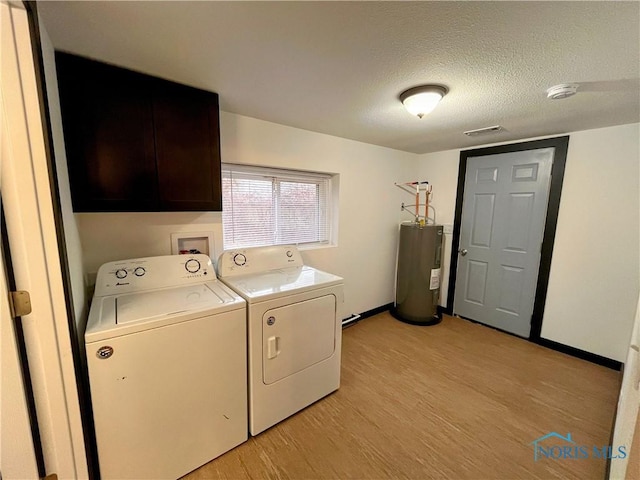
(564, 90)
(484, 131)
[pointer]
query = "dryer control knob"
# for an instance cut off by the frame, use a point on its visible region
(139, 271)
(192, 265)
(239, 259)
(121, 273)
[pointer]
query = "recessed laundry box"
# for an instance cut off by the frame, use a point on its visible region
(166, 352)
(294, 330)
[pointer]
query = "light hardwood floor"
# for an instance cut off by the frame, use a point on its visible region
(453, 401)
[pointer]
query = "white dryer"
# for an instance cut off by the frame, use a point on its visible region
(294, 329)
(166, 353)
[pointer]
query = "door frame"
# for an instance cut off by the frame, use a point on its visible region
(89, 453)
(27, 443)
(561, 145)
(50, 334)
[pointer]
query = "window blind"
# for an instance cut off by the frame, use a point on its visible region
(265, 206)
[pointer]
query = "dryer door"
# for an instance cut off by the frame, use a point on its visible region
(297, 336)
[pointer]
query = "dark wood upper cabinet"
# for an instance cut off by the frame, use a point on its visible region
(187, 146)
(137, 143)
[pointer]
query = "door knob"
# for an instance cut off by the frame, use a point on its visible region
(462, 251)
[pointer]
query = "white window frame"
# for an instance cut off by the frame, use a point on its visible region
(277, 175)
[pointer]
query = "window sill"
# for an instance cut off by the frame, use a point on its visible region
(317, 246)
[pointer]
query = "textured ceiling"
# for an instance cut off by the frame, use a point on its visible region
(338, 67)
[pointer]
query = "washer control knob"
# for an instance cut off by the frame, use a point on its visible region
(289, 253)
(192, 265)
(139, 271)
(121, 273)
(239, 259)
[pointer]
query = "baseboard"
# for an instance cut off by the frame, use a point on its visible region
(576, 352)
(369, 313)
(559, 347)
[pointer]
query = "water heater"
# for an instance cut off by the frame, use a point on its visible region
(418, 274)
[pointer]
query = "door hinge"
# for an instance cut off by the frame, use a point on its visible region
(19, 303)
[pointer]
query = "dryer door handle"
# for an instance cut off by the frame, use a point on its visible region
(273, 347)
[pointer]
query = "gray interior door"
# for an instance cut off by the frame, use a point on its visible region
(502, 226)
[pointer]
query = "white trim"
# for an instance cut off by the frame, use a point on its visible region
(17, 455)
(628, 405)
(276, 172)
(27, 198)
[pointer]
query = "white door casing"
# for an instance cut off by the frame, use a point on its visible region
(628, 405)
(27, 199)
(501, 233)
(17, 454)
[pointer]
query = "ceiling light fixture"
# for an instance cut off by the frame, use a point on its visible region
(423, 99)
(564, 90)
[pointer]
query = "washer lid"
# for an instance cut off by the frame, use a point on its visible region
(135, 307)
(116, 315)
(275, 283)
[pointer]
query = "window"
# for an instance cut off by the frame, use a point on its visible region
(265, 206)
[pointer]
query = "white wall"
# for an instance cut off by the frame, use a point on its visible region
(71, 234)
(441, 171)
(369, 207)
(593, 284)
(117, 236)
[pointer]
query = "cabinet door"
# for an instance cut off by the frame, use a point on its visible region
(108, 127)
(187, 147)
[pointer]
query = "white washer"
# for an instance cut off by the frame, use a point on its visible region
(166, 352)
(294, 328)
